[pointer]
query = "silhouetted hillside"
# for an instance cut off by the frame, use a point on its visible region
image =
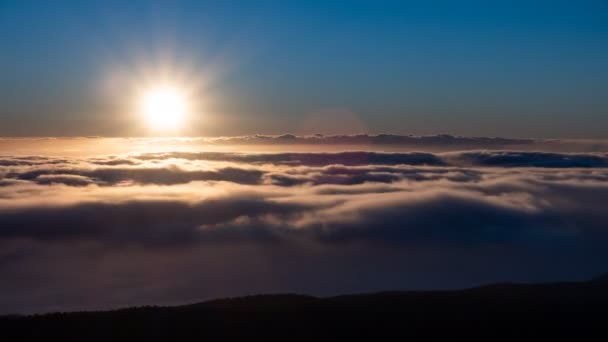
(573, 309)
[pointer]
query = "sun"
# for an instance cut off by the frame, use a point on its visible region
(164, 108)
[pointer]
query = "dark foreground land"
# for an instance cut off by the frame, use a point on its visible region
(503, 310)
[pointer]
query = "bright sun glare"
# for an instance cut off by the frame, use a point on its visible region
(164, 108)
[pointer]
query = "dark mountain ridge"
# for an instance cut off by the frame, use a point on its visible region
(552, 309)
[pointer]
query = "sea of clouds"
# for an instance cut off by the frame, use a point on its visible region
(94, 230)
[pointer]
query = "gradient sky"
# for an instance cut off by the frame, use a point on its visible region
(504, 68)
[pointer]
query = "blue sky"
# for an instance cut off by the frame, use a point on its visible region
(508, 68)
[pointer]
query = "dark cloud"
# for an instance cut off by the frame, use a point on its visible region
(114, 161)
(452, 220)
(326, 176)
(144, 175)
(144, 222)
(380, 139)
(531, 159)
(67, 179)
(11, 182)
(469, 158)
(308, 159)
(30, 161)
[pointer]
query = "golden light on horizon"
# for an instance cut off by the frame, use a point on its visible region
(164, 108)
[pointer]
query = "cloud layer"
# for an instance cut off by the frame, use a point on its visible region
(169, 227)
